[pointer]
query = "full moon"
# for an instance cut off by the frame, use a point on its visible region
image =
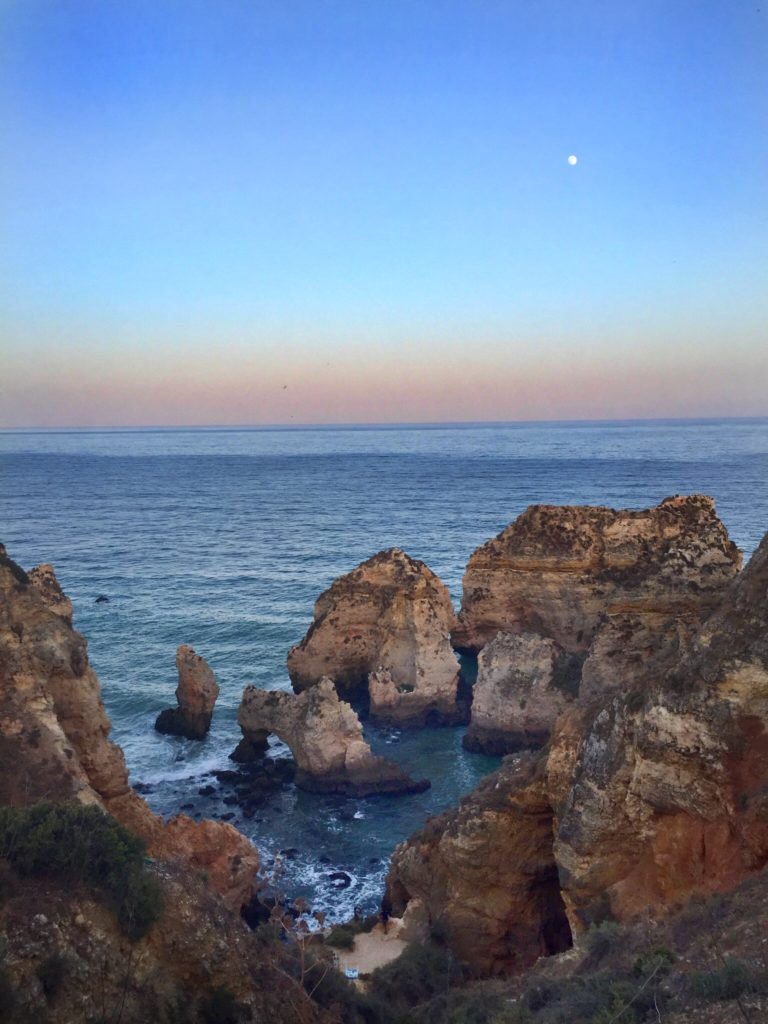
(572, 160)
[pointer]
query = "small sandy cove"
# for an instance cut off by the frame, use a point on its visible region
(373, 949)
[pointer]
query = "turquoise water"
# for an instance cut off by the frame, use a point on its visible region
(224, 538)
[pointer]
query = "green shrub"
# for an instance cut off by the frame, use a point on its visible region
(341, 937)
(733, 979)
(76, 844)
(421, 972)
(600, 939)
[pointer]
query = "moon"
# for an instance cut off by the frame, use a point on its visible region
(573, 160)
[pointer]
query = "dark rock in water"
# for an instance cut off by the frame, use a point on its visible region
(230, 801)
(228, 776)
(291, 853)
(187, 807)
(249, 750)
(206, 791)
(143, 787)
(226, 817)
(340, 879)
(102, 599)
(324, 860)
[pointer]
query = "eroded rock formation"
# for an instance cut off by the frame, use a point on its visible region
(614, 590)
(54, 733)
(653, 793)
(389, 619)
(486, 872)
(524, 682)
(557, 570)
(195, 695)
(326, 739)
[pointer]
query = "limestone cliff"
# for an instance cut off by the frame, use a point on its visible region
(652, 794)
(54, 734)
(326, 739)
(557, 570)
(615, 591)
(388, 620)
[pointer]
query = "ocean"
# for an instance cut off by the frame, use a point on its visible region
(223, 538)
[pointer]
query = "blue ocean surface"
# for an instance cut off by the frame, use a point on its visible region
(223, 538)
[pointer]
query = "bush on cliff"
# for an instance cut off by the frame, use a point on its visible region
(77, 844)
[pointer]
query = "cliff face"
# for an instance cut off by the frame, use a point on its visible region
(326, 739)
(389, 619)
(557, 570)
(654, 791)
(54, 734)
(616, 592)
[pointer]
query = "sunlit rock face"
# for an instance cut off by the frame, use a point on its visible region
(558, 570)
(389, 620)
(486, 873)
(54, 734)
(326, 739)
(647, 794)
(196, 696)
(524, 682)
(613, 592)
(667, 793)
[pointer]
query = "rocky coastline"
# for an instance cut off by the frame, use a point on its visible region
(622, 674)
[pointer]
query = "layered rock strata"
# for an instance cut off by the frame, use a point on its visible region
(196, 696)
(651, 795)
(486, 873)
(54, 734)
(326, 739)
(615, 590)
(524, 682)
(558, 570)
(385, 628)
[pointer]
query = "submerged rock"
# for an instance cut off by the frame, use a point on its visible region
(326, 739)
(385, 628)
(196, 695)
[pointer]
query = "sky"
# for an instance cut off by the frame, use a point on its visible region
(309, 211)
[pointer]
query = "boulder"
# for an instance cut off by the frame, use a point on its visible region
(385, 628)
(54, 734)
(326, 739)
(558, 570)
(196, 694)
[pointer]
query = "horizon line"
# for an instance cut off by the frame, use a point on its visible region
(374, 425)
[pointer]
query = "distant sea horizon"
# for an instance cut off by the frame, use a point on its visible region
(386, 425)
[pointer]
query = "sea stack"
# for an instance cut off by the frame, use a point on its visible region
(385, 628)
(326, 739)
(196, 695)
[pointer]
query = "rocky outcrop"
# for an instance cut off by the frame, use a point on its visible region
(619, 591)
(654, 791)
(54, 732)
(558, 570)
(326, 739)
(524, 682)
(388, 621)
(668, 792)
(196, 696)
(486, 873)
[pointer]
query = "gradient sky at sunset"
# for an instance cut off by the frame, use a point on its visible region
(308, 211)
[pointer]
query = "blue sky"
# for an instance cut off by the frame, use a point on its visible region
(208, 204)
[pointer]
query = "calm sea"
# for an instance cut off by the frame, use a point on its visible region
(223, 539)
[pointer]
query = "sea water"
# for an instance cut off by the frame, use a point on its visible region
(223, 539)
